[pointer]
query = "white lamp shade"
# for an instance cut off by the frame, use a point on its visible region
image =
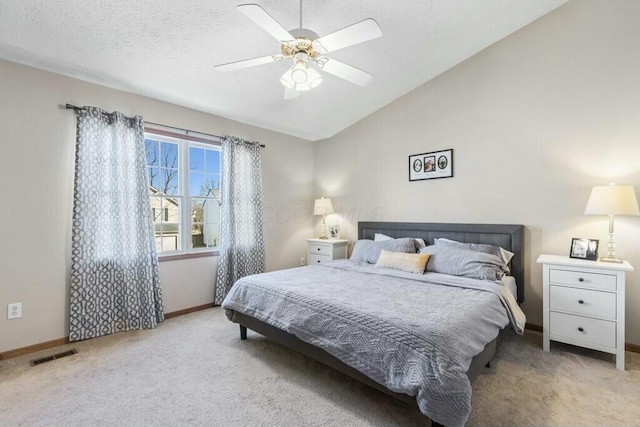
(299, 72)
(323, 207)
(287, 80)
(314, 78)
(612, 200)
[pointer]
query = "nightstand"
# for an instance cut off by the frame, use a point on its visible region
(320, 250)
(584, 304)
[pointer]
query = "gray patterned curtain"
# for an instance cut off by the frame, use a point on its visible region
(241, 229)
(114, 263)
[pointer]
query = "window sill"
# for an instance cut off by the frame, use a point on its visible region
(177, 257)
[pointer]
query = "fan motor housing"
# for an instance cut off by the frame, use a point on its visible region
(303, 43)
(303, 33)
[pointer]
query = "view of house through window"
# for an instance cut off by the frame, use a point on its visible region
(184, 188)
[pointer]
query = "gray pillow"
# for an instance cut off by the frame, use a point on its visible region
(379, 237)
(501, 253)
(463, 262)
(369, 251)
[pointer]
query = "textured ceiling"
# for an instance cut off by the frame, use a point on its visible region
(166, 49)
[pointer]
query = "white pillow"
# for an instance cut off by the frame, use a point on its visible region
(379, 237)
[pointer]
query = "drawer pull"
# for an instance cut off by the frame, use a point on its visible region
(581, 329)
(580, 279)
(580, 302)
(318, 261)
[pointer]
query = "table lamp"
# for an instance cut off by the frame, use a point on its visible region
(612, 200)
(323, 207)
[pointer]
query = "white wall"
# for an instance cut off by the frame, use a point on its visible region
(37, 142)
(535, 121)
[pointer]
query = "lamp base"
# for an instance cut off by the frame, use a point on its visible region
(611, 259)
(323, 231)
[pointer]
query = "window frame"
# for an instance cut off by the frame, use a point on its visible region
(184, 141)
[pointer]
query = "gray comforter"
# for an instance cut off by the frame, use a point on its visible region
(414, 334)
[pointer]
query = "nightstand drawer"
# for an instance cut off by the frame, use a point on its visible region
(583, 301)
(587, 280)
(319, 250)
(599, 332)
(317, 259)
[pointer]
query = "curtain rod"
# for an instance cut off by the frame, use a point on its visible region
(73, 107)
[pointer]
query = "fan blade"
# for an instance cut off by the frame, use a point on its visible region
(344, 71)
(353, 34)
(265, 21)
(238, 65)
(291, 93)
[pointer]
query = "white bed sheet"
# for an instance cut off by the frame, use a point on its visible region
(510, 283)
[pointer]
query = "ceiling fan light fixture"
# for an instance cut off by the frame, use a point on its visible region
(300, 72)
(314, 78)
(301, 76)
(287, 80)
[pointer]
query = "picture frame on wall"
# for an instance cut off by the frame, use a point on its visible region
(334, 232)
(584, 249)
(432, 165)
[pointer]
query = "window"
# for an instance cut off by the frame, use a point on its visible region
(184, 192)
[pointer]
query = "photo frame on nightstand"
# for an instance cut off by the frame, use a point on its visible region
(334, 232)
(584, 249)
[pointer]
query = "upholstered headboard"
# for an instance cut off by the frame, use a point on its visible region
(508, 236)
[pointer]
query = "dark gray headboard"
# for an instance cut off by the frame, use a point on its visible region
(508, 236)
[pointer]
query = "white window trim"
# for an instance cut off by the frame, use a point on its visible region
(184, 140)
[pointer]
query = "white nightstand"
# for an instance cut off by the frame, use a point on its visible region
(584, 304)
(320, 250)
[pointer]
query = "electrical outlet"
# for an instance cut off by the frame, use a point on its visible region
(302, 261)
(14, 311)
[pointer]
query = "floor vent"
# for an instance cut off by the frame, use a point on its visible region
(53, 357)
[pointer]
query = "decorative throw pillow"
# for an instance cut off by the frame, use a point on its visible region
(501, 253)
(463, 262)
(369, 251)
(379, 237)
(411, 263)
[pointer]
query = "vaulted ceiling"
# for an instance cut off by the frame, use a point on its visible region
(166, 49)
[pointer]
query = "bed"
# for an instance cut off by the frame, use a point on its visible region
(334, 312)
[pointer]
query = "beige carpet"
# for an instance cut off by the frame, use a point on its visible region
(194, 370)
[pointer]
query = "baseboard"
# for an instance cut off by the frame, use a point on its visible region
(33, 348)
(535, 328)
(61, 341)
(634, 348)
(188, 310)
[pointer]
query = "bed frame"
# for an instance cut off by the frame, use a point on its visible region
(510, 237)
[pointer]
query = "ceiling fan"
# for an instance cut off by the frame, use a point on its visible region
(306, 50)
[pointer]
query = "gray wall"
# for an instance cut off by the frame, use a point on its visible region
(535, 121)
(36, 184)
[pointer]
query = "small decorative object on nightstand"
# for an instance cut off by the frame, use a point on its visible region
(320, 250)
(584, 304)
(584, 249)
(334, 232)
